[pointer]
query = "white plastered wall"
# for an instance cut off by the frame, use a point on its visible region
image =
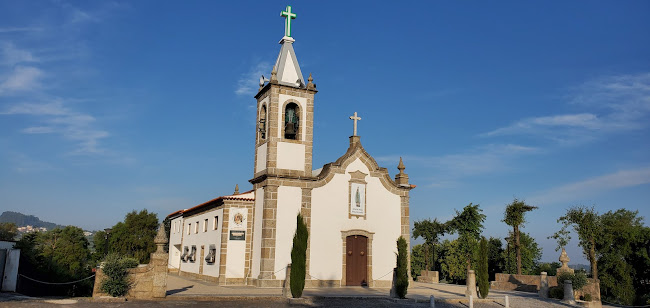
(257, 231)
(261, 158)
(236, 258)
(210, 237)
(329, 212)
(302, 103)
(289, 200)
(175, 238)
(291, 156)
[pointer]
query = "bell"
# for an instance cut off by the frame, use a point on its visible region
(290, 130)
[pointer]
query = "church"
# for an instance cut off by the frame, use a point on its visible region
(354, 210)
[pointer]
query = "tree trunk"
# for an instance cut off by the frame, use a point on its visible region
(517, 249)
(426, 256)
(433, 257)
(592, 258)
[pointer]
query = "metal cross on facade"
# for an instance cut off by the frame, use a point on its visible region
(287, 23)
(355, 118)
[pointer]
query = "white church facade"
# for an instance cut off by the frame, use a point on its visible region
(354, 210)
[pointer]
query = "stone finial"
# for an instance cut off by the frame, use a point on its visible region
(274, 76)
(310, 83)
(564, 259)
(161, 238)
(401, 178)
(236, 189)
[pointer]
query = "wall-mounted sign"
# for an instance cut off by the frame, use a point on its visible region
(236, 235)
(238, 218)
(357, 199)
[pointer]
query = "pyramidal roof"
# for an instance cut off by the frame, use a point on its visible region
(286, 66)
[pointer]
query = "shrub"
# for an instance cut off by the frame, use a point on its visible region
(557, 292)
(402, 283)
(578, 280)
(586, 297)
(483, 278)
(116, 270)
(299, 258)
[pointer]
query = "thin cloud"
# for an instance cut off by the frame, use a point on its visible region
(21, 79)
(10, 55)
(593, 186)
(19, 29)
(614, 104)
(481, 160)
(248, 83)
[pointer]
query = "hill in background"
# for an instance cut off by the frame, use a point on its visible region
(22, 220)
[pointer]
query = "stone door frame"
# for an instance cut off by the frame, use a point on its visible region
(344, 235)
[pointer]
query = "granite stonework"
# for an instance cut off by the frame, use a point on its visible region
(428, 277)
(526, 283)
(471, 284)
(147, 281)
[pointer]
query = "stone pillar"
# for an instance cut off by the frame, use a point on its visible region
(543, 285)
(286, 288)
(564, 259)
(568, 293)
(471, 284)
(159, 261)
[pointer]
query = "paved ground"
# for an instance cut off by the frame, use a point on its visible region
(184, 292)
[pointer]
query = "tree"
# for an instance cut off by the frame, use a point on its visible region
(134, 237)
(453, 268)
(99, 245)
(496, 259)
(430, 231)
(549, 268)
(468, 224)
(530, 254)
(482, 275)
(402, 283)
(8, 231)
(299, 257)
(418, 260)
(514, 216)
(66, 250)
(586, 223)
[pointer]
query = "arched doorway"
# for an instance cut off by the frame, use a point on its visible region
(356, 260)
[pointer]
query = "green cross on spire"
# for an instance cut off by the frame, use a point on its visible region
(287, 23)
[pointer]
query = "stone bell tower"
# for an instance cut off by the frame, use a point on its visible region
(283, 159)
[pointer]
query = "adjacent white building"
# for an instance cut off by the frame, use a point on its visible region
(355, 211)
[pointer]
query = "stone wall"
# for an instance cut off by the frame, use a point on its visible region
(526, 283)
(428, 276)
(592, 288)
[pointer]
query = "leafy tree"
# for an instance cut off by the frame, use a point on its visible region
(66, 251)
(483, 276)
(299, 257)
(496, 259)
(402, 283)
(514, 216)
(586, 223)
(430, 231)
(417, 260)
(8, 231)
(468, 224)
(99, 245)
(453, 266)
(549, 268)
(134, 237)
(530, 254)
(623, 261)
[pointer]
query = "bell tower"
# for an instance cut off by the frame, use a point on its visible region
(283, 161)
(285, 117)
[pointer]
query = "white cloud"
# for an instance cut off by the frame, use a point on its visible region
(593, 186)
(23, 78)
(615, 103)
(249, 82)
(19, 29)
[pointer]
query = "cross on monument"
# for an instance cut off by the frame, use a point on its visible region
(288, 17)
(355, 118)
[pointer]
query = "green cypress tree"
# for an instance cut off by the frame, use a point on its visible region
(299, 258)
(402, 283)
(483, 276)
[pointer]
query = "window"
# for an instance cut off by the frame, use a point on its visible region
(196, 227)
(291, 121)
(189, 228)
(205, 225)
(216, 223)
(261, 127)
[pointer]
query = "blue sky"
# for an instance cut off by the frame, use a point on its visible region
(106, 107)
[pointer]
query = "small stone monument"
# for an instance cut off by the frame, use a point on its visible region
(568, 293)
(159, 261)
(471, 284)
(564, 259)
(543, 285)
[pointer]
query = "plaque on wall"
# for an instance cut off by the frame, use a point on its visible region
(237, 235)
(357, 199)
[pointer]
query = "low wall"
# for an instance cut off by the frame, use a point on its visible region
(428, 277)
(592, 288)
(526, 283)
(148, 281)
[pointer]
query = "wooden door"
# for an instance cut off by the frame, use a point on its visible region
(356, 262)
